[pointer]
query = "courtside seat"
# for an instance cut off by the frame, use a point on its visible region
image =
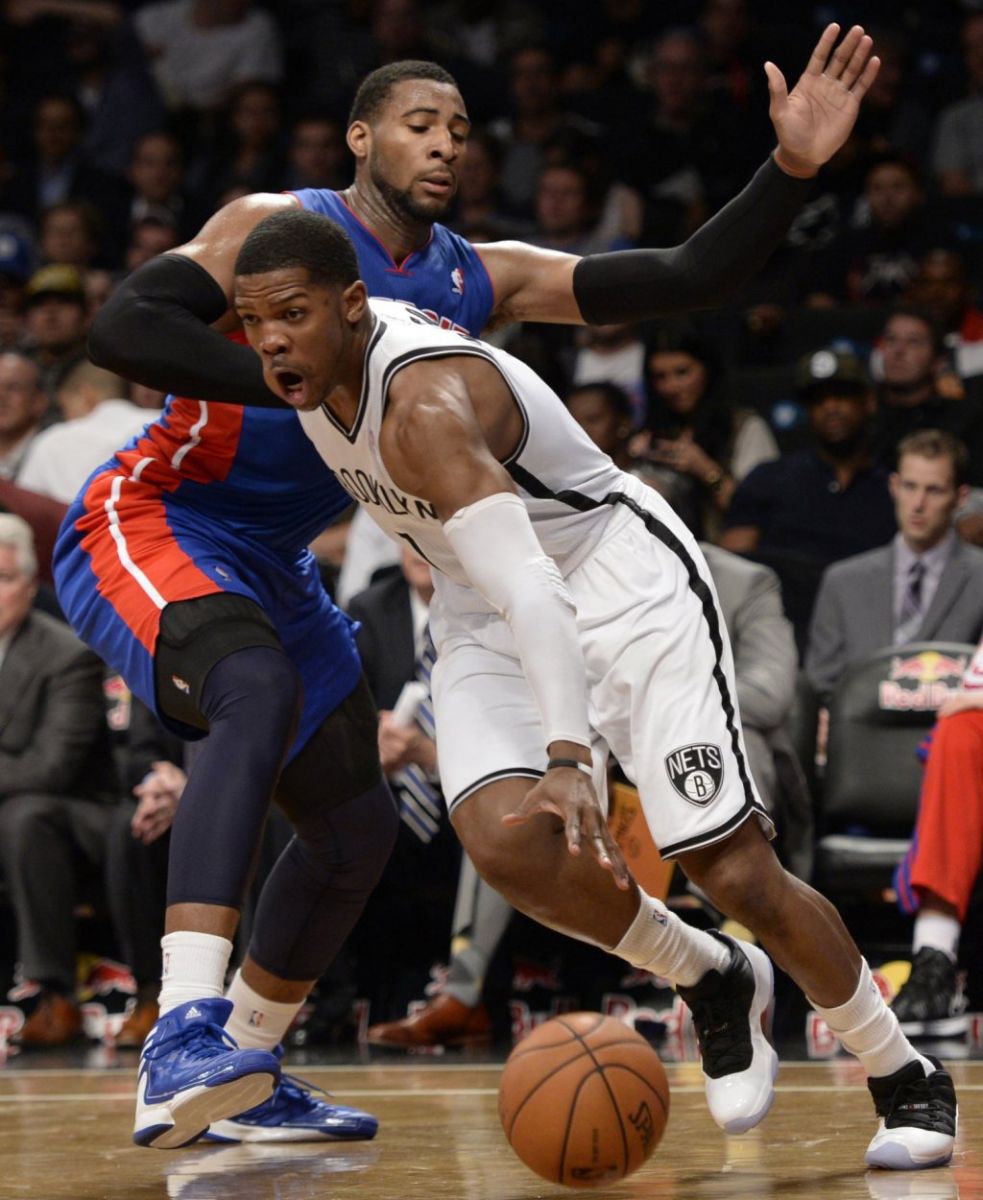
(879, 713)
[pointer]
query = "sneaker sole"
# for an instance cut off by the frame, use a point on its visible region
(762, 1050)
(895, 1156)
(184, 1119)
(229, 1132)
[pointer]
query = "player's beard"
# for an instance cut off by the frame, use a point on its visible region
(401, 201)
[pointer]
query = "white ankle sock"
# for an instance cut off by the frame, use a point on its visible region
(867, 1028)
(937, 930)
(194, 968)
(658, 941)
(257, 1023)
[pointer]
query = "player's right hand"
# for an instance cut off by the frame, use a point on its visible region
(568, 793)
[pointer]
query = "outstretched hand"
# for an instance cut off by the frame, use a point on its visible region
(568, 794)
(816, 117)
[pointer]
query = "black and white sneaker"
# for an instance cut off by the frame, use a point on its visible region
(931, 1003)
(739, 1063)
(918, 1117)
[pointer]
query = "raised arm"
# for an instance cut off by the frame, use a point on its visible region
(435, 447)
(158, 326)
(812, 122)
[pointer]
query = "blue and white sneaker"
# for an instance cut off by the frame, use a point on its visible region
(294, 1114)
(192, 1073)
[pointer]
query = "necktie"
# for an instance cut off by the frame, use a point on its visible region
(911, 602)
(419, 800)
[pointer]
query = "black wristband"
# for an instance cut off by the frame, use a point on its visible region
(575, 763)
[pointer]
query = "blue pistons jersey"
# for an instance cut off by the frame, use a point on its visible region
(446, 278)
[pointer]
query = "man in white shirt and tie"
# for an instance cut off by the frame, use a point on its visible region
(925, 585)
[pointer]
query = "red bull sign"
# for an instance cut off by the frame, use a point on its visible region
(920, 682)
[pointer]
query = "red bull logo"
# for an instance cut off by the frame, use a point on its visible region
(921, 682)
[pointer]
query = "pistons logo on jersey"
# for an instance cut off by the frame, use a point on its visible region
(696, 772)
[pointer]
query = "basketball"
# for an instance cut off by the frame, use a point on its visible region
(583, 1100)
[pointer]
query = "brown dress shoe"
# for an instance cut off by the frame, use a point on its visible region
(137, 1025)
(55, 1021)
(443, 1022)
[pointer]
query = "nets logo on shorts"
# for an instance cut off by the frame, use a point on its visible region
(696, 772)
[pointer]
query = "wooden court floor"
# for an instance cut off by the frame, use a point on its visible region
(64, 1135)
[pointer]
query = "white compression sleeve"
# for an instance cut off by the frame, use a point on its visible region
(498, 549)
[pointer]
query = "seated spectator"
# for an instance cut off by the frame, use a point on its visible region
(806, 510)
(478, 204)
(603, 411)
(156, 178)
(957, 157)
(613, 354)
(72, 233)
(941, 287)
(57, 786)
(57, 320)
(148, 238)
(938, 875)
(875, 263)
(702, 446)
(909, 398)
(317, 156)
(95, 423)
(23, 405)
(136, 860)
(892, 117)
(925, 585)
(537, 114)
(247, 153)
(15, 269)
(200, 49)
(57, 170)
(567, 211)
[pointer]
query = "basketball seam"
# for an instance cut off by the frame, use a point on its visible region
(545, 1079)
(598, 1066)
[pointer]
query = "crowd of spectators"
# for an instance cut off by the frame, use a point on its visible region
(772, 426)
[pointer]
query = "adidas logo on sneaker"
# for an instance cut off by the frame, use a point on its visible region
(191, 1013)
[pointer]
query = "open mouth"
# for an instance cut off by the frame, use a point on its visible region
(291, 386)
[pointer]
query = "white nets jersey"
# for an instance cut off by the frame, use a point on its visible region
(659, 668)
(553, 450)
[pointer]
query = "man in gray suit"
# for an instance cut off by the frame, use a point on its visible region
(57, 784)
(925, 585)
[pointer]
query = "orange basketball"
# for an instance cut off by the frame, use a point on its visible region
(584, 1100)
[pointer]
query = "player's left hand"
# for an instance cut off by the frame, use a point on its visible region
(816, 117)
(568, 793)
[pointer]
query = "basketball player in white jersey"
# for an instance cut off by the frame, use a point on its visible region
(573, 614)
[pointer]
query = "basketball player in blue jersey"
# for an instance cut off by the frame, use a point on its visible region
(182, 562)
(573, 614)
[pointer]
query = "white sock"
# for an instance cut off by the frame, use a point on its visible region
(938, 931)
(658, 941)
(257, 1023)
(194, 968)
(867, 1028)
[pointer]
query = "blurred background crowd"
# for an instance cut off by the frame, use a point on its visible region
(772, 425)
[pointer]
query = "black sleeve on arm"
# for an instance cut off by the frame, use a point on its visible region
(634, 285)
(155, 329)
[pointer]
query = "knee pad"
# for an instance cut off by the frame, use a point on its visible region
(194, 636)
(339, 762)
